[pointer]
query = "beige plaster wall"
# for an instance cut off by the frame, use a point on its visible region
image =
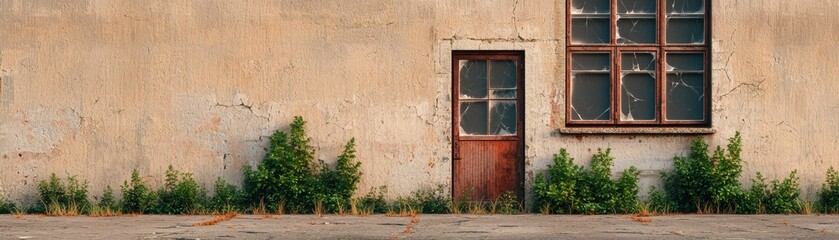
(96, 88)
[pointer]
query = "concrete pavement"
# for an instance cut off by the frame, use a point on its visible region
(424, 226)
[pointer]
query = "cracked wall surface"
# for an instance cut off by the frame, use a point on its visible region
(96, 88)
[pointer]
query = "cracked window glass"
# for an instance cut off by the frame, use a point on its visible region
(638, 86)
(503, 94)
(590, 21)
(488, 89)
(658, 51)
(503, 74)
(685, 86)
(473, 79)
(503, 118)
(685, 21)
(473, 118)
(636, 22)
(591, 86)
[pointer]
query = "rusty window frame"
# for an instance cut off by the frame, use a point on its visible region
(661, 48)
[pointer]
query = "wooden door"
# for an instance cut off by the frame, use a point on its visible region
(488, 124)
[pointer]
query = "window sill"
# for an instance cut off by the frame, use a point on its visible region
(637, 130)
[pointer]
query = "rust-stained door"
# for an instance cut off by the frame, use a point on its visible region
(488, 124)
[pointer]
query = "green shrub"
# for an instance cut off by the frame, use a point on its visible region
(706, 183)
(507, 203)
(58, 198)
(558, 193)
(107, 201)
(424, 200)
(432, 200)
(710, 184)
(781, 197)
(753, 201)
(285, 174)
(6, 206)
(180, 194)
(829, 194)
(374, 201)
(335, 187)
(227, 197)
(658, 202)
(289, 175)
(136, 196)
(572, 189)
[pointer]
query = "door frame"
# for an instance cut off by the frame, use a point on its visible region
(520, 112)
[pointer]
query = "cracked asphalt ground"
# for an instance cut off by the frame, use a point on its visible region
(423, 227)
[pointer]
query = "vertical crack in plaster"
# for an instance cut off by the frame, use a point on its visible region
(515, 21)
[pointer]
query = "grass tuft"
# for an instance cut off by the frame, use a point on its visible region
(216, 220)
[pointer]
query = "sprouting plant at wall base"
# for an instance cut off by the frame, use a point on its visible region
(710, 184)
(107, 201)
(285, 174)
(335, 187)
(227, 198)
(373, 202)
(288, 174)
(6, 206)
(425, 200)
(136, 196)
(829, 193)
(569, 188)
(180, 194)
(702, 182)
(58, 198)
(658, 203)
(779, 197)
(507, 204)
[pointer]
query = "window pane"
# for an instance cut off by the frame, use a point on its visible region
(636, 30)
(503, 118)
(685, 96)
(636, 6)
(638, 101)
(642, 61)
(503, 94)
(685, 6)
(590, 30)
(685, 61)
(473, 118)
(591, 61)
(502, 74)
(591, 96)
(590, 6)
(686, 30)
(473, 79)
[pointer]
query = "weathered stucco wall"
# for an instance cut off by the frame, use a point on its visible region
(96, 88)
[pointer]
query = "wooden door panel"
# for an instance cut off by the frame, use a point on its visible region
(488, 168)
(487, 124)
